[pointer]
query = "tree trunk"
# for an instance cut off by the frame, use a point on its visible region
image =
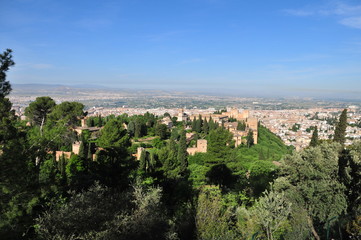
(41, 126)
(310, 223)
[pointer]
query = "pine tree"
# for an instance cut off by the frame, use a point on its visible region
(182, 152)
(340, 131)
(314, 139)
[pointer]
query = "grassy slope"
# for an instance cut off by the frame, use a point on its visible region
(258, 158)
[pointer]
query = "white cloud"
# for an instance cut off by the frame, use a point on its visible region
(349, 15)
(354, 22)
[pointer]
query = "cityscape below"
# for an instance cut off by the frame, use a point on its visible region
(292, 119)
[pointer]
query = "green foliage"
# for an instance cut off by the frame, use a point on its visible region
(241, 126)
(100, 213)
(340, 131)
(198, 124)
(272, 211)
(5, 63)
(211, 220)
(310, 181)
(250, 139)
(68, 113)
(219, 144)
(38, 111)
(271, 147)
(114, 138)
(296, 127)
(314, 139)
(182, 152)
(161, 130)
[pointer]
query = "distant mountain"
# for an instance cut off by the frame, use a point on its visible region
(39, 86)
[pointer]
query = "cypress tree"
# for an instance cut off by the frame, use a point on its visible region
(182, 152)
(314, 139)
(198, 127)
(90, 122)
(143, 161)
(250, 140)
(100, 121)
(89, 154)
(340, 131)
(205, 127)
(211, 124)
(82, 149)
(194, 122)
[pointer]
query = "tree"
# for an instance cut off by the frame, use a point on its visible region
(211, 219)
(218, 144)
(340, 131)
(182, 152)
(350, 176)
(67, 113)
(38, 111)
(310, 181)
(241, 126)
(272, 211)
(314, 139)
(5, 63)
(18, 183)
(211, 124)
(194, 122)
(205, 127)
(114, 138)
(198, 126)
(250, 139)
(161, 130)
(143, 161)
(102, 213)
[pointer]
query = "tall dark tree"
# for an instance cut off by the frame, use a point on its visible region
(205, 127)
(161, 130)
(194, 122)
(5, 63)
(17, 179)
(198, 127)
(143, 161)
(241, 126)
(250, 139)
(218, 144)
(182, 152)
(211, 124)
(314, 139)
(340, 131)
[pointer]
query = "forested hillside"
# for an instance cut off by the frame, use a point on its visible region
(131, 177)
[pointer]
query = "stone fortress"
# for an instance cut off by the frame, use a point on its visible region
(223, 118)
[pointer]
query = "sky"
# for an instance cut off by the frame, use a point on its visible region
(251, 48)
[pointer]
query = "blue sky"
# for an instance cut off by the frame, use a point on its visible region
(273, 48)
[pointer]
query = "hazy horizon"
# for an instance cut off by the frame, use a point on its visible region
(262, 48)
